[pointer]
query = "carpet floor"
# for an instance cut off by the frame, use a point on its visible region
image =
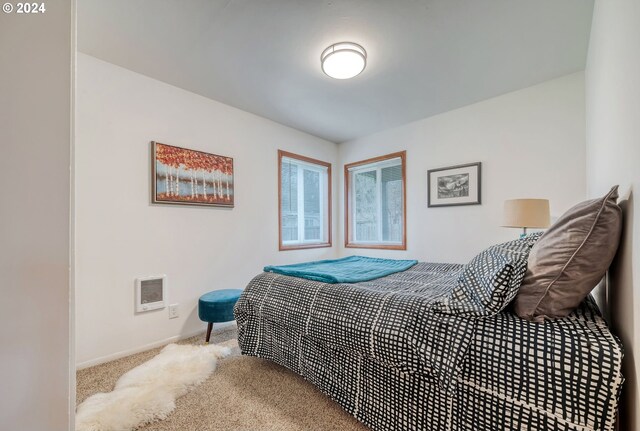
(243, 394)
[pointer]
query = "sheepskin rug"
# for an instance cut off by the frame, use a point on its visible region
(148, 392)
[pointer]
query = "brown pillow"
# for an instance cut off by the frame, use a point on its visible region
(570, 259)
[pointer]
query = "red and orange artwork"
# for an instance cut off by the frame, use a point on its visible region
(183, 176)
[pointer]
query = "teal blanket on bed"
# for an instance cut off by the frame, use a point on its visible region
(352, 269)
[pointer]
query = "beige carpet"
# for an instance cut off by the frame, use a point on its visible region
(243, 394)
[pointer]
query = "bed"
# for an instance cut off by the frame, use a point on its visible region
(399, 353)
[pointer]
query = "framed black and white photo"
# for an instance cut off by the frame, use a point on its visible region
(454, 185)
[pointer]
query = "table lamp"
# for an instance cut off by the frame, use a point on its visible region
(526, 213)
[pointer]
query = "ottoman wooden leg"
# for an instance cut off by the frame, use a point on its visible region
(209, 328)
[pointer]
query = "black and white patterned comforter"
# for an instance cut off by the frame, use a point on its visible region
(386, 351)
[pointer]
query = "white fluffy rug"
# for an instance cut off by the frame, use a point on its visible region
(148, 392)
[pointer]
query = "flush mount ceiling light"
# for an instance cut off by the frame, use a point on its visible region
(343, 60)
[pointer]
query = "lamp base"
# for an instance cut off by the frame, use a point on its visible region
(524, 232)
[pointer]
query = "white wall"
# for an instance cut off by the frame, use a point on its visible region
(35, 137)
(120, 235)
(613, 157)
(531, 144)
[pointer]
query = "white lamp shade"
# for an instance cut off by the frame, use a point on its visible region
(343, 60)
(525, 213)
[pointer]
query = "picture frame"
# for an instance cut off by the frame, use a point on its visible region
(454, 185)
(181, 176)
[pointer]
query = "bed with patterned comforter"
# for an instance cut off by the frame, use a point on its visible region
(396, 353)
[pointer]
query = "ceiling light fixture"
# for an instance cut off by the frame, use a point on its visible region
(343, 60)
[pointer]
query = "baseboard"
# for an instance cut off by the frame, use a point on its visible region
(160, 343)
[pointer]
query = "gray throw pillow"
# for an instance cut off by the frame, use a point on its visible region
(570, 259)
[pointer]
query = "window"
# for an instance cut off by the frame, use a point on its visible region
(304, 202)
(375, 203)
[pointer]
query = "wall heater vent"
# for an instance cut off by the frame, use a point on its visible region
(151, 293)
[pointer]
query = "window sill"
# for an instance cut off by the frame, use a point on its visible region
(304, 246)
(376, 246)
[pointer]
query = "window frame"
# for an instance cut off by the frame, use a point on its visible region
(308, 160)
(348, 204)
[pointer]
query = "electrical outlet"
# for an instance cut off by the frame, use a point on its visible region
(173, 311)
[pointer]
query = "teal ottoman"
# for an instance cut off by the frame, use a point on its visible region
(217, 306)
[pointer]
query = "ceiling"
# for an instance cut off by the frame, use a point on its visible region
(263, 56)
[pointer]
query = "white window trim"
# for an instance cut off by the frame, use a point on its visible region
(324, 170)
(376, 166)
(378, 170)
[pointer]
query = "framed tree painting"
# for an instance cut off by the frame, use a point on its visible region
(190, 177)
(454, 185)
